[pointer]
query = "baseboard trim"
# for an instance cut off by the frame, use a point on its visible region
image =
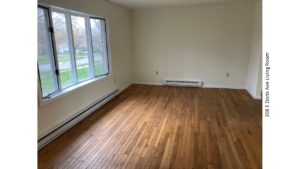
(258, 97)
(124, 87)
(204, 86)
(253, 96)
(223, 86)
(73, 120)
(149, 83)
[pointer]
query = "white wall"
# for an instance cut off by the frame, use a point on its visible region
(201, 43)
(254, 77)
(119, 22)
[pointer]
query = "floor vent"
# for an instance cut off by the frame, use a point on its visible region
(184, 83)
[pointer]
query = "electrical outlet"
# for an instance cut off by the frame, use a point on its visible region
(227, 74)
(157, 72)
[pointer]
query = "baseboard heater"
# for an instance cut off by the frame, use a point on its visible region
(184, 83)
(75, 119)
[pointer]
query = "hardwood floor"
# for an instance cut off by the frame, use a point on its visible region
(164, 127)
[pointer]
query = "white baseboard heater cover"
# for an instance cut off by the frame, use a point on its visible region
(43, 141)
(184, 83)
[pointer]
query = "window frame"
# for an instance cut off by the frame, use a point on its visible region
(73, 67)
(60, 92)
(87, 33)
(51, 47)
(106, 44)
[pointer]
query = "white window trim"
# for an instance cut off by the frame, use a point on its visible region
(70, 90)
(64, 92)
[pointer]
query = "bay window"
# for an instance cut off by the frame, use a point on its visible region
(72, 48)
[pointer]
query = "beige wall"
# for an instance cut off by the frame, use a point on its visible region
(254, 77)
(201, 43)
(119, 22)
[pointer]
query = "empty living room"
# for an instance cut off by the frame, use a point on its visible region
(149, 84)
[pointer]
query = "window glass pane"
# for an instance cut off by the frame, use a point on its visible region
(99, 46)
(46, 71)
(80, 47)
(62, 49)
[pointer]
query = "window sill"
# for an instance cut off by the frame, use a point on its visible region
(69, 90)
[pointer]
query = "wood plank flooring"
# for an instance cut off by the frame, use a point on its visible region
(164, 127)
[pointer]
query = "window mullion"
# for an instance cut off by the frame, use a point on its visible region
(105, 52)
(72, 49)
(90, 47)
(54, 60)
